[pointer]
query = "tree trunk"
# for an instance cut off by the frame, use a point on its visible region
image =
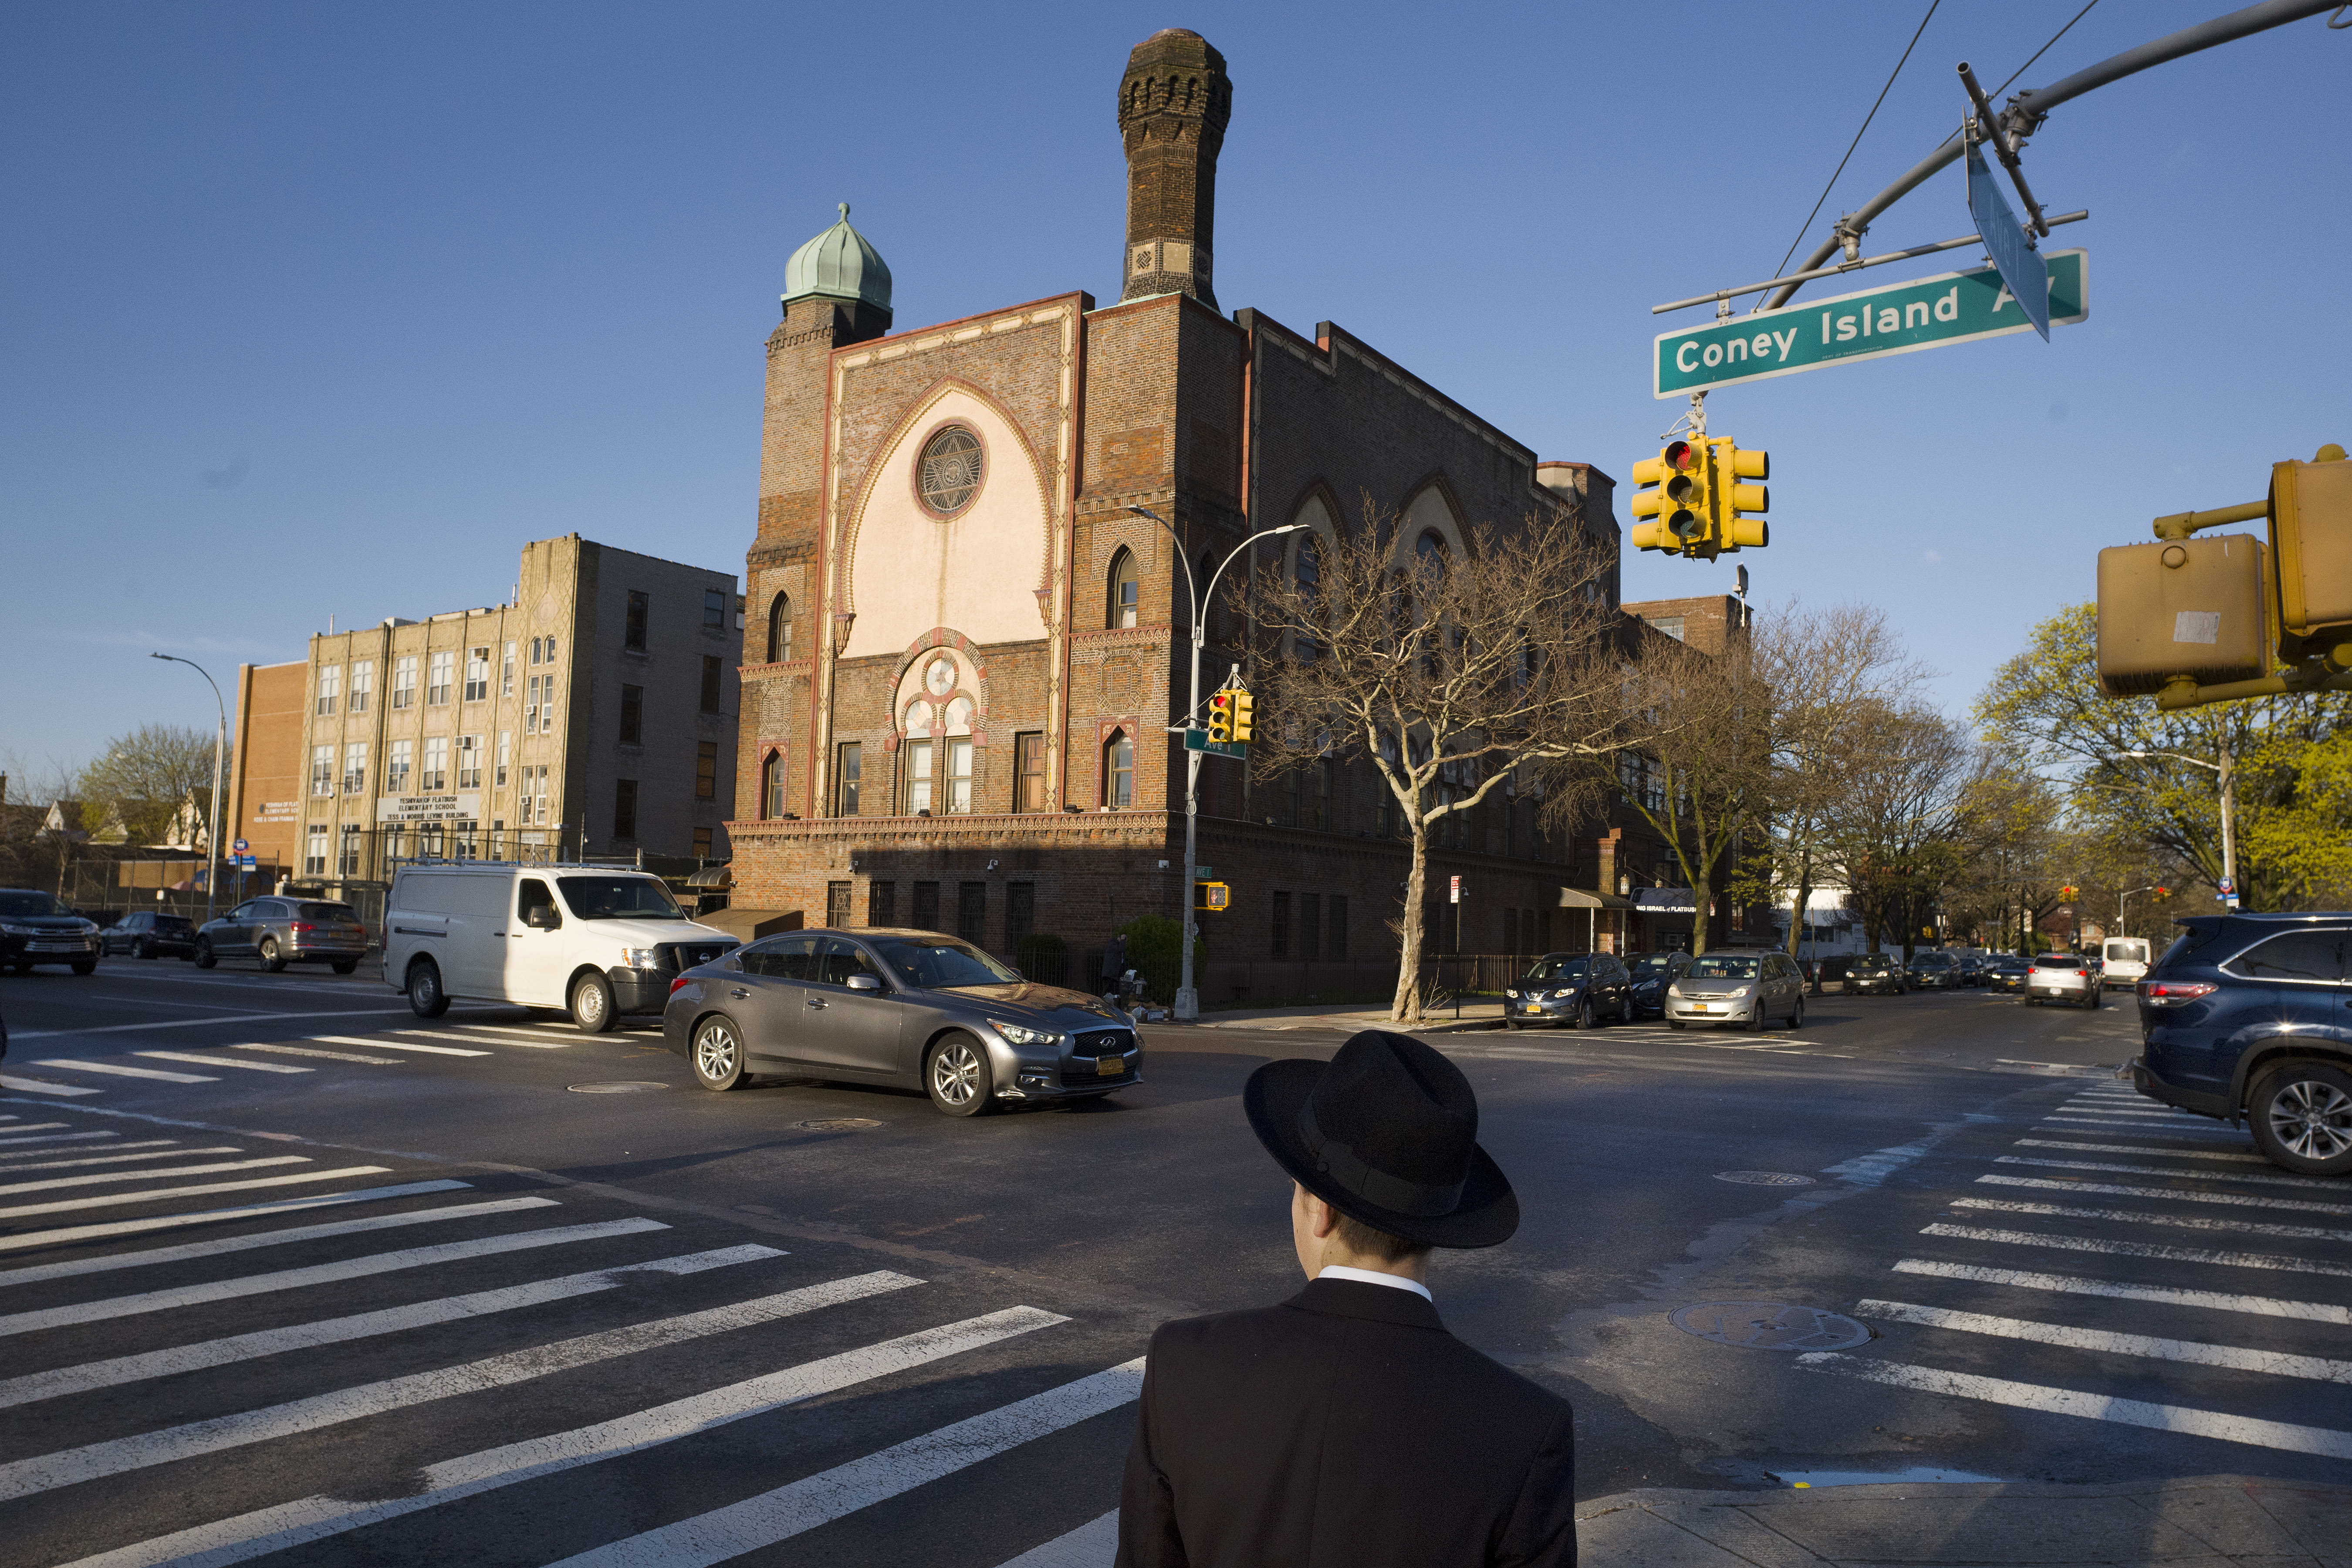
(1804, 896)
(1702, 894)
(1407, 1009)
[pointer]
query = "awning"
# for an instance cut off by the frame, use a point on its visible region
(718, 876)
(1665, 901)
(1578, 899)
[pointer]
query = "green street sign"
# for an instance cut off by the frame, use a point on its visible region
(1198, 741)
(1899, 319)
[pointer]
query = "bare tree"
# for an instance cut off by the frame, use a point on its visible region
(143, 778)
(1893, 833)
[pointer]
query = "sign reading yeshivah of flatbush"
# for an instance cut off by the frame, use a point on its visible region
(1900, 319)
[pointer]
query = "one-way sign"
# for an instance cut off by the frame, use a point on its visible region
(2005, 241)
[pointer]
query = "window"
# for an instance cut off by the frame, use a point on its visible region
(882, 903)
(330, 689)
(1020, 914)
(323, 769)
(958, 779)
(1029, 771)
(1670, 625)
(739, 612)
(403, 681)
(1337, 929)
(1278, 939)
(1310, 589)
(714, 610)
(469, 761)
(950, 475)
(395, 770)
(971, 911)
(534, 648)
(1122, 601)
(633, 715)
(853, 755)
(355, 767)
(633, 628)
(506, 755)
(1118, 772)
(772, 785)
(1318, 803)
(530, 705)
(919, 780)
(1311, 926)
(532, 895)
(711, 683)
(478, 674)
(437, 678)
(837, 905)
(362, 684)
(624, 808)
(702, 843)
(2312, 956)
(506, 671)
(706, 770)
(437, 764)
(314, 850)
(927, 906)
(780, 630)
(532, 807)
(347, 862)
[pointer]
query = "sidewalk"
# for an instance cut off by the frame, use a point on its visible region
(1477, 1013)
(2206, 1520)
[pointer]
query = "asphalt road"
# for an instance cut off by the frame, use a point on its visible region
(502, 1293)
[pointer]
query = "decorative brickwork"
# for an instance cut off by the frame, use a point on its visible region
(1173, 105)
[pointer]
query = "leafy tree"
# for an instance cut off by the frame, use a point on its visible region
(143, 778)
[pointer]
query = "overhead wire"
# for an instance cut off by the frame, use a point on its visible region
(1865, 126)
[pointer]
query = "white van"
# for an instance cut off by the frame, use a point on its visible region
(2127, 959)
(599, 943)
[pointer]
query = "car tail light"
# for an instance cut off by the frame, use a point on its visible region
(2175, 992)
(303, 926)
(676, 984)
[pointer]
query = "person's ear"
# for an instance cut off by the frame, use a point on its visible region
(1321, 1217)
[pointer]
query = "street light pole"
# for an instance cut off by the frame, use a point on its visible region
(220, 744)
(2122, 899)
(1188, 994)
(2226, 767)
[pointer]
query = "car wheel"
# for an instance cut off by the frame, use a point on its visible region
(346, 966)
(271, 959)
(1797, 1014)
(957, 1077)
(717, 1055)
(591, 1004)
(425, 998)
(1584, 1015)
(1676, 1024)
(86, 966)
(147, 949)
(1757, 1020)
(2302, 1119)
(205, 956)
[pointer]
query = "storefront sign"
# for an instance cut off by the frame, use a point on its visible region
(395, 809)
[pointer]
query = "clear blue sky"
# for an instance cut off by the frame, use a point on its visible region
(317, 311)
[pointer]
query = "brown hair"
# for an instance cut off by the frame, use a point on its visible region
(1362, 1238)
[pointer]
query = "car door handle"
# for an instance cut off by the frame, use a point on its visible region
(816, 1002)
(738, 993)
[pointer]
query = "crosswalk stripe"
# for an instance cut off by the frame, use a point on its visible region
(2304, 1184)
(2096, 1406)
(117, 1457)
(2137, 1250)
(789, 1511)
(478, 1041)
(153, 1194)
(329, 1056)
(2138, 1149)
(379, 1042)
(220, 1061)
(2077, 1108)
(92, 1178)
(320, 1274)
(2181, 1222)
(179, 1254)
(28, 1127)
(2233, 1358)
(163, 1149)
(511, 1029)
(2085, 1127)
(2162, 1295)
(41, 1085)
(121, 1069)
(1090, 1545)
(65, 1234)
(268, 1529)
(2116, 1189)
(92, 1375)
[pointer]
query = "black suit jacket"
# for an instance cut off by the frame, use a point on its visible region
(1345, 1428)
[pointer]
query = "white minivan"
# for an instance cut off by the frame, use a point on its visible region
(2127, 961)
(599, 942)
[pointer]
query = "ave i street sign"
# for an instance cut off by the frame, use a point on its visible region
(1198, 741)
(2021, 272)
(1898, 319)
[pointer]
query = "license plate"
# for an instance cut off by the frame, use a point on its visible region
(1110, 1066)
(56, 947)
(1701, 1007)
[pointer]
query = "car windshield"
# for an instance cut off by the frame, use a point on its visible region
(1655, 964)
(1931, 960)
(939, 964)
(1559, 968)
(1872, 960)
(618, 898)
(30, 901)
(326, 911)
(1711, 967)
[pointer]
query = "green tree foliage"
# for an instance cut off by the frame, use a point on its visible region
(1155, 951)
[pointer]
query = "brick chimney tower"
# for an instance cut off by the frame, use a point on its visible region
(1174, 104)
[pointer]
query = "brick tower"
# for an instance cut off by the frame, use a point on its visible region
(1174, 104)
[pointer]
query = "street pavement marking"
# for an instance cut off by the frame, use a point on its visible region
(119, 1456)
(220, 1061)
(174, 1297)
(527, 1033)
(382, 1044)
(2096, 1406)
(791, 1510)
(52, 1138)
(121, 1069)
(2140, 1149)
(226, 1243)
(2233, 1225)
(72, 1233)
(38, 1086)
(478, 1041)
(28, 1127)
(269, 1530)
(2137, 1250)
(2306, 1184)
(152, 1194)
(93, 1178)
(2085, 1126)
(16, 1161)
(2114, 1189)
(2163, 1295)
(2233, 1358)
(92, 1375)
(1090, 1545)
(206, 1023)
(329, 1056)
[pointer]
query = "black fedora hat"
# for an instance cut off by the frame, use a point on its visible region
(1386, 1133)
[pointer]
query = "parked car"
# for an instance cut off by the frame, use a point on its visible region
(2067, 977)
(2251, 1015)
(1933, 970)
(279, 931)
(600, 944)
(1653, 973)
(1580, 989)
(1874, 975)
(902, 1009)
(1973, 963)
(150, 933)
(2008, 974)
(1748, 989)
(35, 928)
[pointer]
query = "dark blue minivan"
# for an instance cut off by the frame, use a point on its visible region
(2250, 1015)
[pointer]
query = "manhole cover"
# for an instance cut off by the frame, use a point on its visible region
(1764, 1178)
(1769, 1326)
(620, 1087)
(836, 1124)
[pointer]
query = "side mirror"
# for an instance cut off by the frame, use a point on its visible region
(864, 983)
(541, 917)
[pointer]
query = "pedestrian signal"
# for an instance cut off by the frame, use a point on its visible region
(1243, 706)
(1220, 718)
(1212, 895)
(2311, 545)
(1733, 464)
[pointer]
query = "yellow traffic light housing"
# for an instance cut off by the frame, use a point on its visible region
(1244, 708)
(1733, 464)
(1220, 718)
(1212, 895)
(1682, 503)
(2311, 547)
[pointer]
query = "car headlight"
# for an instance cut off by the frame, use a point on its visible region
(641, 958)
(89, 928)
(12, 929)
(1513, 994)
(1022, 1035)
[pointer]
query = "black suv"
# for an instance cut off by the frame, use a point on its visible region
(150, 933)
(2251, 1015)
(1935, 969)
(1869, 972)
(35, 928)
(1653, 973)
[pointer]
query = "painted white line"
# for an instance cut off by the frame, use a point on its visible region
(2137, 1250)
(2163, 1295)
(121, 1071)
(16, 1159)
(36, 1086)
(220, 1061)
(1090, 1545)
(2113, 1189)
(2232, 1226)
(153, 1194)
(178, 1296)
(92, 1178)
(481, 1040)
(2197, 1353)
(91, 1376)
(2138, 1149)
(206, 1023)
(72, 1233)
(531, 1034)
(265, 1530)
(2071, 1126)
(2179, 1418)
(329, 1056)
(226, 1243)
(789, 1511)
(379, 1043)
(2302, 1184)
(174, 1152)
(28, 1127)
(2095, 1108)
(120, 1456)
(54, 1138)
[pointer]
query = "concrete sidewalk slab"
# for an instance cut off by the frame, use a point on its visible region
(1482, 1013)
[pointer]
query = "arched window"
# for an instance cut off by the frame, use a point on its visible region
(1121, 602)
(772, 785)
(1309, 576)
(1429, 551)
(1118, 772)
(780, 630)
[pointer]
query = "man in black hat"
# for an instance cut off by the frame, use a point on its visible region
(1346, 1428)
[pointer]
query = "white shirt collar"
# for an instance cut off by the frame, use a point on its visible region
(1371, 1277)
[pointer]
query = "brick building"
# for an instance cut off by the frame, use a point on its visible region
(964, 650)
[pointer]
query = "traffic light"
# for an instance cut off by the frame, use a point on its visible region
(1220, 718)
(2066, 894)
(1244, 709)
(1682, 502)
(1731, 465)
(2163, 895)
(2311, 545)
(1212, 895)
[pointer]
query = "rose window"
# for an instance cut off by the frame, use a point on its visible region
(949, 473)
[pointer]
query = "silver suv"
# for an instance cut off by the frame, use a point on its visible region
(1744, 989)
(280, 931)
(2063, 977)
